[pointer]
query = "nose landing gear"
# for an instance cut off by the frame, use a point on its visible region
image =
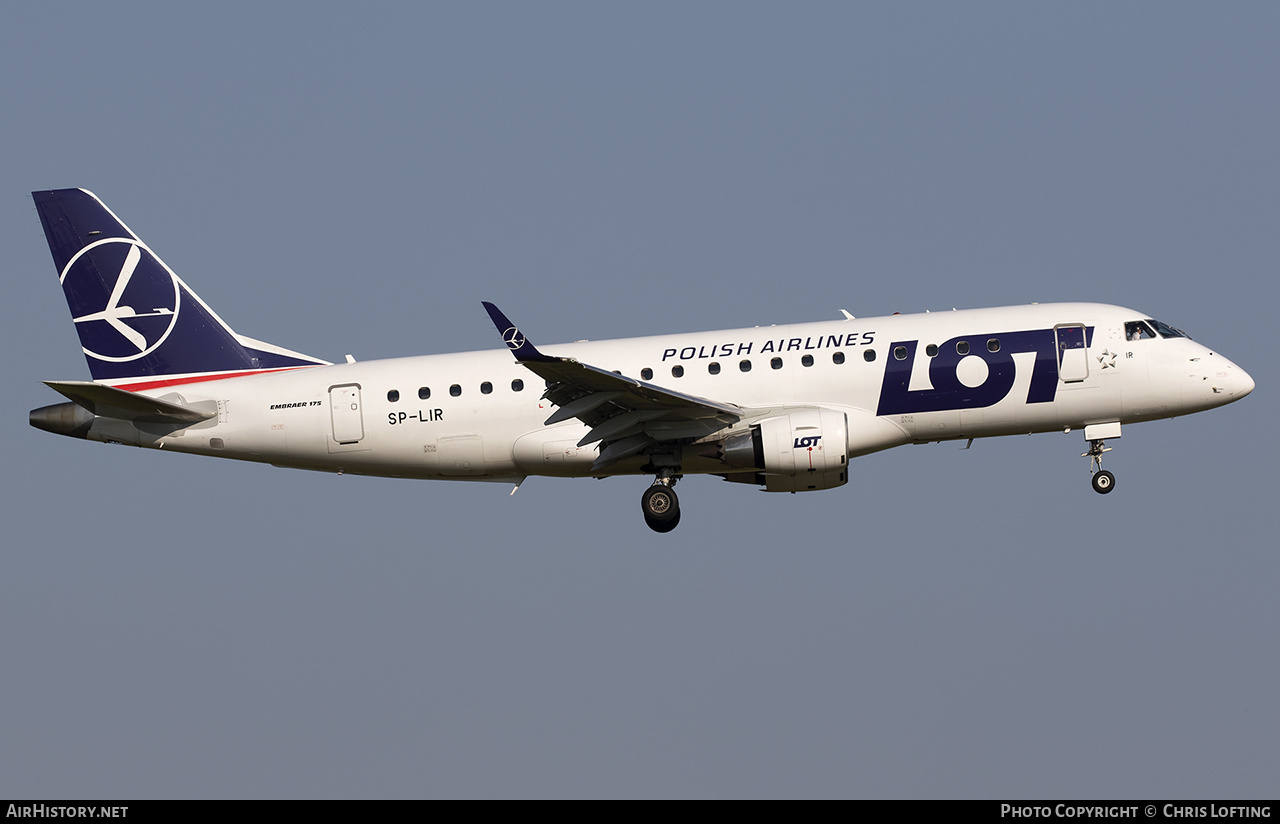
(1103, 481)
(660, 504)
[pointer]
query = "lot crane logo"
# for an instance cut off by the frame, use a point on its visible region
(513, 338)
(123, 300)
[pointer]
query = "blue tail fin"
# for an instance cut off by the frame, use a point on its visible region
(139, 324)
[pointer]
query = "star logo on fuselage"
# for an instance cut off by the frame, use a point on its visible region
(1107, 359)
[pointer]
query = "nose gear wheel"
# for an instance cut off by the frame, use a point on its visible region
(1103, 481)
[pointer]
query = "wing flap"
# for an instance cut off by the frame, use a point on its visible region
(624, 448)
(581, 406)
(619, 425)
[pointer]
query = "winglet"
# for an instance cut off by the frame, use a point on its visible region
(520, 346)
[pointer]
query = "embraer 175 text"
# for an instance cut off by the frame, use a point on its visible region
(781, 407)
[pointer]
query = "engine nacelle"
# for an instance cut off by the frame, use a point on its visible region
(805, 450)
(802, 450)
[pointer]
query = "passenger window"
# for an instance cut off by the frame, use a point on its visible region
(993, 345)
(931, 350)
(807, 360)
(900, 353)
(962, 348)
(713, 368)
(517, 385)
(393, 395)
(486, 388)
(646, 374)
(677, 371)
(745, 365)
(837, 357)
(455, 390)
(869, 355)
(423, 393)
(776, 363)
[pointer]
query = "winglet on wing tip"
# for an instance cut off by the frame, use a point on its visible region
(515, 340)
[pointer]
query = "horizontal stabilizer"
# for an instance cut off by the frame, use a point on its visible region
(109, 402)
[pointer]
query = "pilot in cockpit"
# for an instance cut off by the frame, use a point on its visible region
(1137, 330)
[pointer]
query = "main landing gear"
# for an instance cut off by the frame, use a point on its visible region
(660, 505)
(1103, 481)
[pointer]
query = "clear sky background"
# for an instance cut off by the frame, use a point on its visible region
(356, 178)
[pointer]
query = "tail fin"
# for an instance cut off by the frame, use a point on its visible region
(140, 326)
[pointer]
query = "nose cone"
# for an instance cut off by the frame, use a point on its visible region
(1230, 382)
(1242, 385)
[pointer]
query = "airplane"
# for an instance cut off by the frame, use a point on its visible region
(780, 408)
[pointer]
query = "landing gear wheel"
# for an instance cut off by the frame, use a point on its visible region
(661, 508)
(664, 527)
(1103, 482)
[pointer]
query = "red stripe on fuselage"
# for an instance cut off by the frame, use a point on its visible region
(159, 384)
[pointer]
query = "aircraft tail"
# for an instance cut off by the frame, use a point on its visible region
(140, 326)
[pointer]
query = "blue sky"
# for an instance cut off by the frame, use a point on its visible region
(951, 624)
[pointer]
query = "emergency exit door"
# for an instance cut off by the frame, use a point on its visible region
(347, 413)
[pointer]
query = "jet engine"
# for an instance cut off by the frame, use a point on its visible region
(797, 451)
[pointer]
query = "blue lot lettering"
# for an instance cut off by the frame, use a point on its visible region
(949, 393)
(811, 440)
(422, 416)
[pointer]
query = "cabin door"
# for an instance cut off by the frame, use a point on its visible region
(1073, 358)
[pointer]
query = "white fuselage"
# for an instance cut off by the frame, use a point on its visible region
(479, 415)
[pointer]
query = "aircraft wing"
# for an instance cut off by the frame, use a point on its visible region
(625, 415)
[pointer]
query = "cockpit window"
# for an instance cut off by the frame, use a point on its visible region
(1137, 330)
(1143, 329)
(1167, 331)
